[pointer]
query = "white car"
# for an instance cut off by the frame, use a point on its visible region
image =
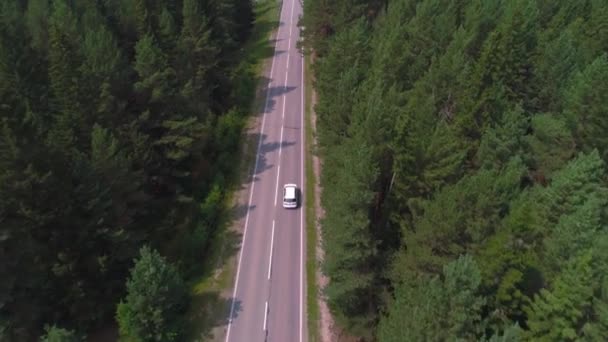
(290, 196)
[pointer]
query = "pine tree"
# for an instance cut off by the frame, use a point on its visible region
(167, 30)
(597, 329)
(430, 309)
(106, 69)
(156, 77)
(155, 296)
(558, 59)
(346, 234)
(503, 71)
(575, 232)
(142, 18)
(584, 106)
(550, 145)
(198, 60)
(500, 143)
(596, 31)
(63, 70)
(459, 218)
(37, 19)
(574, 183)
(341, 72)
(558, 313)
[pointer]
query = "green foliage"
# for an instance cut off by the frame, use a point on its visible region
(437, 309)
(460, 217)
(109, 137)
(585, 106)
(37, 19)
(556, 314)
(342, 78)
(55, 334)
(349, 260)
(502, 141)
(484, 124)
(153, 69)
(156, 295)
(550, 144)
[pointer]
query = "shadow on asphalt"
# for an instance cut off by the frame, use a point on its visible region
(215, 314)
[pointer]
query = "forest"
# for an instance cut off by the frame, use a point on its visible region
(464, 147)
(119, 122)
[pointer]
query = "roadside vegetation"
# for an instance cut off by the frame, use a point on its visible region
(464, 156)
(312, 261)
(120, 121)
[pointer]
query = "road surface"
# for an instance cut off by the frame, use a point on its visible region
(268, 299)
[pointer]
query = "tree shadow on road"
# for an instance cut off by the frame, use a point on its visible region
(213, 317)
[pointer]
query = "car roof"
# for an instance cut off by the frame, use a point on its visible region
(290, 185)
(290, 191)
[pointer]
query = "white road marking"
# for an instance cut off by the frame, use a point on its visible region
(255, 170)
(276, 190)
(265, 315)
(271, 248)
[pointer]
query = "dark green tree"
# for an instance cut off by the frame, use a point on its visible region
(198, 60)
(584, 106)
(550, 145)
(347, 237)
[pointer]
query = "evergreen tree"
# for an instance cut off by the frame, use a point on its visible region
(347, 232)
(156, 77)
(198, 60)
(460, 217)
(585, 106)
(550, 145)
(431, 309)
(155, 296)
(63, 69)
(503, 71)
(557, 61)
(37, 19)
(341, 72)
(558, 313)
(500, 143)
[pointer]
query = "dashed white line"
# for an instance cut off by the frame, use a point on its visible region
(265, 315)
(276, 191)
(271, 248)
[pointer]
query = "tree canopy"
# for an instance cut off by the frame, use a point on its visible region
(464, 145)
(118, 121)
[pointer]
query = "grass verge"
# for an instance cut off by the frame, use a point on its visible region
(311, 213)
(209, 309)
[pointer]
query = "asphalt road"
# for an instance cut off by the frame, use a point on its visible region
(268, 299)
